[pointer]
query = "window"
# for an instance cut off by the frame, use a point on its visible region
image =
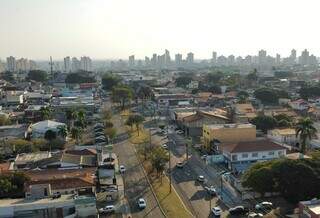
(245, 155)
(271, 153)
(280, 153)
(255, 154)
(234, 157)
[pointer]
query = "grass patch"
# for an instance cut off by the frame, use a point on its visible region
(139, 139)
(170, 202)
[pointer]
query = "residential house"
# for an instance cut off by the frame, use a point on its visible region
(38, 130)
(33, 113)
(240, 155)
(283, 136)
(243, 113)
(310, 209)
(299, 105)
(227, 133)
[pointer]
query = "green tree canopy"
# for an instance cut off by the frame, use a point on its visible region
(310, 91)
(109, 81)
(264, 123)
(37, 75)
(270, 96)
(136, 120)
(80, 77)
(159, 158)
(214, 77)
(305, 130)
(122, 94)
(12, 185)
(183, 81)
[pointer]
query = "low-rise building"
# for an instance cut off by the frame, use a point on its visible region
(240, 155)
(285, 136)
(310, 208)
(243, 113)
(228, 133)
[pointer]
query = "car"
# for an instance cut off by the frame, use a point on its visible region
(211, 190)
(56, 195)
(203, 157)
(255, 215)
(264, 205)
(107, 209)
(164, 132)
(97, 134)
(165, 146)
(238, 210)
(180, 165)
(142, 203)
(200, 178)
(216, 211)
(179, 131)
(122, 169)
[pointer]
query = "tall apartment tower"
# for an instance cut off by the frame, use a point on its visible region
(131, 61)
(11, 64)
(67, 64)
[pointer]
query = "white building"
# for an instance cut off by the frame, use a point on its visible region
(39, 129)
(67, 64)
(286, 136)
(11, 64)
(85, 63)
(239, 156)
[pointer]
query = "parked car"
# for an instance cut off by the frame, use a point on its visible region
(255, 215)
(142, 203)
(107, 209)
(238, 210)
(56, 195)
(122, 169)
(165, 146)
(180, 165)
(97, 134)
(203, 157)
(179, 131)
(211, 190)
(216, 211)
(265, 205)
(200, 178)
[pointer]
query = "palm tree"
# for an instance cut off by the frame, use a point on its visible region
(45, 113)
(71, 115)
(62, 131)
(76, 133)
(305, 130)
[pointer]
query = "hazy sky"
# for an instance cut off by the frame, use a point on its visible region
(118, 28)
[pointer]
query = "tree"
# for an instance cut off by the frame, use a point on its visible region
(111, 133)
(80, 77)
(71, 115)
(305, 130)
(76, 133)
(50, 135)
(122, 94)
(81, 119)
(12, 184)
(107, 114)
(283, 120)
(110, 81)
(4, 120)
(136, 120)
(264, 123)
(310, 91)
(214, 77)
(45, 113)
(108, 124)
(270, 96)
(62, 131)
(144, 92)
(159, 158)
(37, 75)
(183, 81)
(253, 76)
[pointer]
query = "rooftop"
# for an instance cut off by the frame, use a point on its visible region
(32, 157)
(231, 126)
(251, 146)
(287, 131)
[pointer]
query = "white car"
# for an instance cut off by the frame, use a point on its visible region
(200, 178)
(179, 132)
(107, 209)
(204, 157)
(122, 169)
(264, 205)
(211, 190)
(180, 165)
(216, 211)
(165, 146)
(255, 215)
(142, 203)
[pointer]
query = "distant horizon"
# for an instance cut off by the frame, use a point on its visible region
(115, 29)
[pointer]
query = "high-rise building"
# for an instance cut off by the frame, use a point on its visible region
(33, 65)
(178, 59)
(85, 63)
(2, 67)
(231, 60)
(147, 61)
(167, 57)
(214, 57)
(154, 60)
(131, 61)
(75, 65)
(190, 58)
(11, 64)
(304, 58)
(278, 59)
(161, 60)
(262, 57)
(66, 64)
(22, 64)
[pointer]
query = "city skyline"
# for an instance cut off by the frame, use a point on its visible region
(117, 29)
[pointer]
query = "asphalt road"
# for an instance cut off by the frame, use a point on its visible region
(135, 182)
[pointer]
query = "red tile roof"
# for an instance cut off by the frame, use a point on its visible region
(251, 146)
